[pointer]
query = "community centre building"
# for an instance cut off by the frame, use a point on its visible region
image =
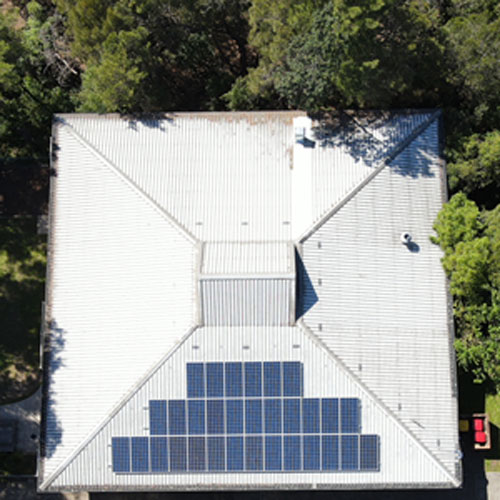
(247, 300)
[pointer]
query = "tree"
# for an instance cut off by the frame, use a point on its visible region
(360, 53)
(30, 86)
(476, 169)
(470, 241)
(157, 55)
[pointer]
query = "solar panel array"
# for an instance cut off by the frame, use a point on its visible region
(249, 417)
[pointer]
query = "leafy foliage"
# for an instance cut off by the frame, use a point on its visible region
(470, 241)
(30, 90)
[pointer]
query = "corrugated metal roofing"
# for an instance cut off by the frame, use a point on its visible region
(249, 258)
(159, 225)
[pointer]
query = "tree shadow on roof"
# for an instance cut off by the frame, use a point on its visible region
(372, 137)
(51, 435)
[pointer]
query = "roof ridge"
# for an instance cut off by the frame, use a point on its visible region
(114, 168)
(307, 330)
(401, 146)
(137, 386)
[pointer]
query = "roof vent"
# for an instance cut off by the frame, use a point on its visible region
(405, 238)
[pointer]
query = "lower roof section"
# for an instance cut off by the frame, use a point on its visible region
(403, 461)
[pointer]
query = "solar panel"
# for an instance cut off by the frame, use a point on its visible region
(140, 454)
(273, 452)
(253, 453)
(310, 416)
(121, 454)
(158, 417)
(272, 379)
(234, 380)
(215, 416)
(369, 456)
(215, 380)
(196, 456)
(234, 416)
(178, 454)
(195, 380)
(329, 416)
(159, 454)
(292, 453)
(272, 416)
(350, 452)
(349, 415)
(177, 416)
(253, 380)
(330, 452)
(292, 378)
(234, 453)
(273, 429)
(311, 447)
(291, 416)
(196, 416)
(216, 454)
(253, 416)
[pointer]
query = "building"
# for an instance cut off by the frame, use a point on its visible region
(247, 301)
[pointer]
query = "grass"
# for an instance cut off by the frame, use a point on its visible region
(22, 276)
(493, 411)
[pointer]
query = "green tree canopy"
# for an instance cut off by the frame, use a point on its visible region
(471, 241)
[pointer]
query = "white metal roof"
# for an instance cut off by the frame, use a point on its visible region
(162, 227)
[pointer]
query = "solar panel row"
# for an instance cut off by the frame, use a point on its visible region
(254, 416)
(252, 379)
(250, 453)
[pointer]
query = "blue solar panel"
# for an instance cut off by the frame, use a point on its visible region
(253, 379)
(196, 456)
(330, 453)
(234, 453)
(177, 416)
(311, 453)
(291, 416)
(273, 452)
(234, 416)
(329, 416)
(157, 417)
(292, 453)
(234, 380)
(369, 452)
(292, 378)
(310, 416)
(253, 416)
(215, 416)
(349, 415)
(121, 454)
(272, 379)
(350, 452)
(140, 454)
(253, 453)
(159, 454)
(272, 416)
(215, 380)
(196, 416)
(216, 454)
(273, 429)
(178, 454)
(195, 380)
